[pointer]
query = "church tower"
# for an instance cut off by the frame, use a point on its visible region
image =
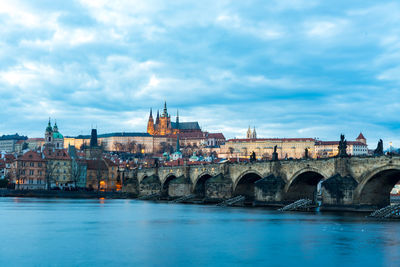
(53, 138)
(254, 135)
(361, 139)
(248, 135)
(49, 134)
(150, 124)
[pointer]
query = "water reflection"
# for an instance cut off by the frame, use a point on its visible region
(128, 232)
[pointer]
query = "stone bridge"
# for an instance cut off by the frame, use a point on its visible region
(355, 181)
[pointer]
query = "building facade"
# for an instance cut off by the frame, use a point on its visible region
(28, 171)
(326, 149)
(264, 147)
(8, 143)
(59, 167)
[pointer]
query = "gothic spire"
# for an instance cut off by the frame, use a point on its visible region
(165, 113)
(151, 113)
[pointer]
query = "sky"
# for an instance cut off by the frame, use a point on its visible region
(298, 68)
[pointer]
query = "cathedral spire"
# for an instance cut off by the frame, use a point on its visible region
(165, 113)
(248, 135)
(254, 133)
(150, 123)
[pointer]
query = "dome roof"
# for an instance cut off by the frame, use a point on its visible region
(57, 135)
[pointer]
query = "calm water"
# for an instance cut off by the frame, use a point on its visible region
(43, 232)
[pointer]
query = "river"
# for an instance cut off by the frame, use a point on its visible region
(62, 232)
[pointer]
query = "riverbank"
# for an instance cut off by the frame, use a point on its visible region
(65, 194)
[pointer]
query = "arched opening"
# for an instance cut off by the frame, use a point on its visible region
(165, 186)
(376, 190)
(200, 186)
(305, 185)
(246, 186)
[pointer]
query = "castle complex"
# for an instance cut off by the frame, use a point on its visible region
(164, 126)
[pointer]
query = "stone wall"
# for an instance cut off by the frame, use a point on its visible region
(269, 189)
(338, 190)
(219, 187)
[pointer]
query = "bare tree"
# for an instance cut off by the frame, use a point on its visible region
(97, 157)
(51, 167)
(130, 146)
(77, 169)
(119, 146)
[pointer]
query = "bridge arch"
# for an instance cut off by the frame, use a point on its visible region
(303, 184)
(199, 186)
(374, 188)
(165, 184)
(245, 184)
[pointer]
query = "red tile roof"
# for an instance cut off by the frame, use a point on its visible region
(56, 154)
(216, 135)
(336, 143)
(273, 139)
(35, 140)
(361, 136)
(31, 156)
(96, 164)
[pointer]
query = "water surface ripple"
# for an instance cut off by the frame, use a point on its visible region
(61, 232)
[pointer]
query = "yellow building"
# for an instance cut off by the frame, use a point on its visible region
(326, 149)
(264, 147)
(142, 142)
(58, 167)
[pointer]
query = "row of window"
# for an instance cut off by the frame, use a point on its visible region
(32, 164)
(31, 172)
(31, 181)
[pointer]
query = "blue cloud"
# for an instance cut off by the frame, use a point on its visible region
(292, 68)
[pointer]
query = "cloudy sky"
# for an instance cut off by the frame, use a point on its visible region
(292, 68)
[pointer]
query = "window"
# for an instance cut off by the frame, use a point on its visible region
(30, 172)
(39, 164)
(32, 164)
(30, 181)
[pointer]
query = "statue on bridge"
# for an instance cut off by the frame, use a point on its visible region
(253, 157)
(275, 154)
(379, 149)
(306, 156)
(342, 147)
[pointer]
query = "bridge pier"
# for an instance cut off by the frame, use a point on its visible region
(269, 189)
(338, 190)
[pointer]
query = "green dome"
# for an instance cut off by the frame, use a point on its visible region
(57, 135)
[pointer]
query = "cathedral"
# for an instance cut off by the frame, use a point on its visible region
(53, 138)
(164, 126)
